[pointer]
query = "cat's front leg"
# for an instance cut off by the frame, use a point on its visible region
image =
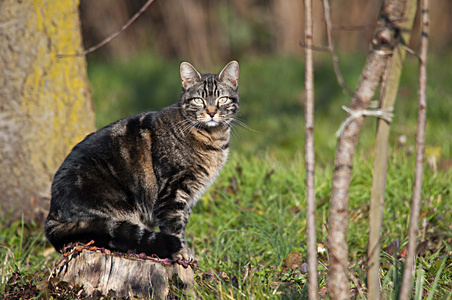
(184, 252)
(172, 218)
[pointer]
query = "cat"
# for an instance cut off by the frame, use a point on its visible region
(146, 171)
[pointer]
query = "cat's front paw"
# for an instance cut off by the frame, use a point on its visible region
(184, 253)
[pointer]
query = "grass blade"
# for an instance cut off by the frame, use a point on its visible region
(437, 277)
(419, 284)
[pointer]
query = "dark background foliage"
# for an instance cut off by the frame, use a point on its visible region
(207, 32)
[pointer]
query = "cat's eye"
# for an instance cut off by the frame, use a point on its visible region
(198, 101)
(223, 100)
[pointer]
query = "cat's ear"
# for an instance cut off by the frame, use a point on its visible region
(230, 74)
(188, 75)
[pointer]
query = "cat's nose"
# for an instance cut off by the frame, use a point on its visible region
(211, 114)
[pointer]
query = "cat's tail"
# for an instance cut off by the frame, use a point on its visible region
(115, 235)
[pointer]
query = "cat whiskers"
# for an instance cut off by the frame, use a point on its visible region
(228, 124)
(231, 124)
(241, 123)
(190, 125)
(184, 126)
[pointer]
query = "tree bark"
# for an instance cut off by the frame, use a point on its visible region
(310, 154)
(45, 103)
(384, 41)
(101, 273)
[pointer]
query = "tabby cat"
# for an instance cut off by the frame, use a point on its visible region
(146, 171)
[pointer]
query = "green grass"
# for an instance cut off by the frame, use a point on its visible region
(253, 217)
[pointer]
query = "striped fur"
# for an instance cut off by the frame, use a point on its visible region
(132, 184)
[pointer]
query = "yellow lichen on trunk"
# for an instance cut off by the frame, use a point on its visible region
(46, 105)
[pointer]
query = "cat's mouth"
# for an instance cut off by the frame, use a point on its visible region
(212, 123)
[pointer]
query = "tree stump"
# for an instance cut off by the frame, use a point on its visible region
(101, 272)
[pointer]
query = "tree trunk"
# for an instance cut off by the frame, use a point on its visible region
(102, 273)
(45, 105)
(385, 40)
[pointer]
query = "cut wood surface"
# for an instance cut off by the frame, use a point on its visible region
(103, 272)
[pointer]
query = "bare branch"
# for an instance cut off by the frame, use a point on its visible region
(420, 155)
(410, 51)
(337, 71)
(315, 48)
(309, 154)
(112, 36)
